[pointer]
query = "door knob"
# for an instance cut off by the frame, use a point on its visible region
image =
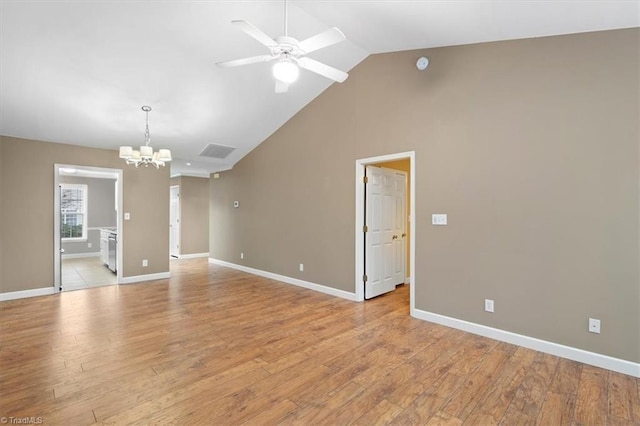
(404, 235)
(394, 237)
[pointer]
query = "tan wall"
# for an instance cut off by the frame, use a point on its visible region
(194, 214)
(27, 220)
(530, 146)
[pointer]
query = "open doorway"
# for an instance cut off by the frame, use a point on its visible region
(403, 163)
(87, 227)
(174, 221)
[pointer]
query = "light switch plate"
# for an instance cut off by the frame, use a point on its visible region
(236, 204)
(127, 215)
(439, 219)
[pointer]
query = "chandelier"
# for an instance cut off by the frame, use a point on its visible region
(145, 156)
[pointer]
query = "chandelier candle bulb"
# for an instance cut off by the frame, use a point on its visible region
(146, 152)
(126, 152)
(146, 155)
(165, 155)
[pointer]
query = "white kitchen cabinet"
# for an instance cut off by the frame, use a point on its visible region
(104, 246)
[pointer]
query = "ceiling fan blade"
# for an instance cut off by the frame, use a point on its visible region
(281, 87)
(245, 61)
(324, 39)
(256, 33)
(323, 69)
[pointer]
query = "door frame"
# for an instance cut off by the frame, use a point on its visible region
(360, 212)
(57, 256)
(178, 231)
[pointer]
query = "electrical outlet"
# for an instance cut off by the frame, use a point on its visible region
(89, 245)
(301, 267)
(488, 305)
(241, 255)
(594, 325)
(145, 263)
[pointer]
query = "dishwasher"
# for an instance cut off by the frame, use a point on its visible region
(113, 252)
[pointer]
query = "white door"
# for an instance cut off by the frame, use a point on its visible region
(174, 221)
(385, 201)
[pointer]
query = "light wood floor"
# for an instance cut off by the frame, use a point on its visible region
(215, 346)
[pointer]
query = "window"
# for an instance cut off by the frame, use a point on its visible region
(73, 212)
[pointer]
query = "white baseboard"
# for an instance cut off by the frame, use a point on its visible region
(580, 355)
(148, 277)
(80, 255)
(13, 295)
(289, 280)
(193, 255)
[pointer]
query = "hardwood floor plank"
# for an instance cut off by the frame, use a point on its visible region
(475, 387)
(592, 401)
(557, 409)
(624, 403)
(216, 346)
(430, 401)
(381, 414)
(567, 380)
(443, 419)
(532, 392)
(504, 388)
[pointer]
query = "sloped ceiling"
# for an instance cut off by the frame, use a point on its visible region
(78, 72)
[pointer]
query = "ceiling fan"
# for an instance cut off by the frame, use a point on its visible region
(290, 54)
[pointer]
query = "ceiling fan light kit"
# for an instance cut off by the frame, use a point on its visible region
(286, 71)
(145, 156)
(290, 54)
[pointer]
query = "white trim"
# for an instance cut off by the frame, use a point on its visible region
(193, 255)
(148, 277)
(13, 295)
(80, 255)
(288, 280)
(359, 242)
(407, 280)
(580, 355)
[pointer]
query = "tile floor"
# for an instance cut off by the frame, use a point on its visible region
(85, 272)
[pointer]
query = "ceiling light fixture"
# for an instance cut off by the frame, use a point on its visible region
(145, 155)
(285, 70)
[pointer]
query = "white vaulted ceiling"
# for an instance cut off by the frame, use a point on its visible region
(78, 71)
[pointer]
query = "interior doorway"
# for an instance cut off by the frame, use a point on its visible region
(174, 221)
(385, 229)
(87, 227)
(404, 162)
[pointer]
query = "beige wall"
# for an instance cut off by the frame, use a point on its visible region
(530, 147)
(194, 214)
(27, 220)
